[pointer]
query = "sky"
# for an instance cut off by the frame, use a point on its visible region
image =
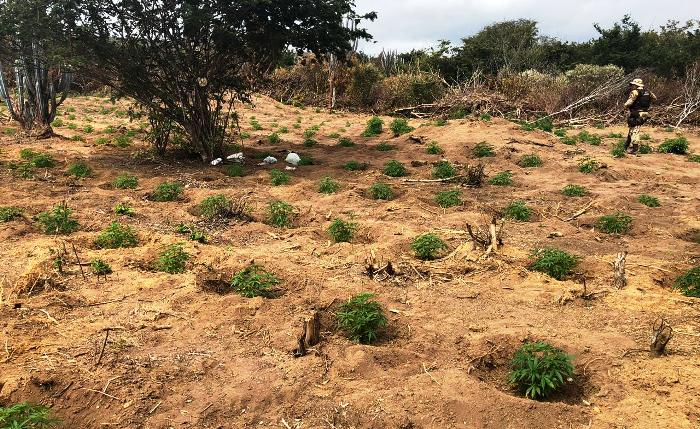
(406, 24)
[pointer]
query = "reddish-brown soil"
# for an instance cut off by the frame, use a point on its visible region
(180, 356)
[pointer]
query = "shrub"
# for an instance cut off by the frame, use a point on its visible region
(355, 166)
(618, 150)
(172, 259)
(544, 124)
(309, 142)
(235, 170)
(342, 231)
(559, 132)
(79, 169)
(102, 140)
(381, 191)
(649, 200)
(117, 236)
(689, 282)
(124, 209)
(306, 160)
(588, 166)
(256, 125)
(100, 267)
(530, 161)
(110, 130)
(593, 139)
(310, 133)
(428, 246)
(122, 140)
(328, 186)
(485, 117)
(539, 369)
(71, 117)
(87, 129)
(553, 262)
(678, 146)
(645, 137)
(374, 127)
(567, 140)
(78, 138)
(197, 236)
(617, 223)
(385, 147)
(274, 138)
(37, 159)
(645, 149)
(58, 123)
(167, 191)
(574, 191)
(283, 130)
(483, 149)
(361, 318)
(518, 210)
(444, 170)
(400, 126)
(254, 281)
(125, 181)
(345, 142)
(447, 199)
(57, 221)
(280, 214)
(434, 149)
(216, 207)
(8, 213)
(27, 416)
(694, 158)
(504, 178)
(394, 168)
(279, 177)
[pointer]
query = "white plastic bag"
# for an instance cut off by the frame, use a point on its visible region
(293, 159)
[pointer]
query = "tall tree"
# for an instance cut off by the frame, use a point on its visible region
(187, 61)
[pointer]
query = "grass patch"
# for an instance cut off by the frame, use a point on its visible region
(385, 147)
(518, 210)
(274, 138)
(553, 262)
(677, 146)
(530, 161)
(100, 267)
(381, 191)
(400, 126)
(374, 127)
(280, 214)
(588, 166)
(345, 142)
(444, 170)
(649, 200)
(693, 158)
(79, 170)
(428, 247)
(355, 166)
(125, 181)
(617, 223)
(574, 191)
(618, 150)
(256, 125)
(122, 141)
(504, 178)
(434, 149)
(328, 186)
(279, 177)
(306, 160)
(342, 231)
(540, 369)
(645, 149)
(172, 260)
(124, 209)
(254, 281)
(58, 123)
(483, 150)
(167, 191)
(235, 170)
(568, 140)
(57, 220)
(27, 416)
(485, 117)
(447, 199)
(8, 213)
(88, 129)
(689, 282)
(361, 318)
(593, 139)
(117, 236)
(615, 136)
(309, 142)
(37, 159)
(559, 132)
(216, 207)
(394, 168)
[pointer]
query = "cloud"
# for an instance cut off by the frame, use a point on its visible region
(406, 24)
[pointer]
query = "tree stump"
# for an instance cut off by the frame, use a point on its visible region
(311, 334)
(663, 332)
(620, 280)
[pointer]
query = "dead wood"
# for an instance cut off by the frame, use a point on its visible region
(661, 335)
(620, 280)
(311, 334)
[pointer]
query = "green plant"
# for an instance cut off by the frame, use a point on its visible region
(79, 169)
(216, 207)
(100, 267)
(589, 138)
(428, 246)
(256, 125)
(483, 150)
(334, 136)
(306, 160)
(615, 136)
(8, 213)
(274, 138)
(172, 259)
(559, 132)
(78, 138)
(618, 150)
(37, 159)
(669, 129)
(198, 236)
(71, 117)
(381, 191)
(553, 262)
(280, 214)
(124, 209)
(504, 178)
(345, 142)
(444, 170)
(328, 186)
(57, 220)
(588, 166)
(88, 129)
(485, 117)
(58, 123)
(125, 181)
(254, 281)
(117, 236)
(385, 147)
(309, 142)
(102, 140)
(283, 130)
(167, 191)
(540, 369)
(447, 199)
(400, 126)
(72, 126)
(342, 231)
(617, 223)
(434, 149)
(310, 133)
(568, 140)
(394, 168)
(530, 161)
(693, 158)
(689, 282)
(645, 137)
(518, 210)
(355, 166)
(279, 177)
(361, 318)
(27, 416)
(110, 129)
(678, 146)
(440, 122)
(574, 191)
(235, 170)
(122, 140)
(374, 127)
(645, 149)
(649, 200)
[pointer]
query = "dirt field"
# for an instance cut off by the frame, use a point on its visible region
(178, 356)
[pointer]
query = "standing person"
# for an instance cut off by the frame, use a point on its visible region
(638, 104)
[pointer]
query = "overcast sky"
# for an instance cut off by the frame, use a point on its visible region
(406, 24)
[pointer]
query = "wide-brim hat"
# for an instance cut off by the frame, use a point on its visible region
(637, 82)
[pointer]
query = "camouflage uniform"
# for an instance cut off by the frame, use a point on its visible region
(638, 103)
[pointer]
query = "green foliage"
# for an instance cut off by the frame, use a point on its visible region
(678, 146)
(355, 166)
(57, 220)
(167, 191)
(447, 199)
(645, 149)
(483, 149)
(361, 318)
(280, 214)
(428, 246)
(689, 282)
(8, 213)
(100, 267)
(37, 159)
(328, 186)
(117, 236)
(504, 178)
(342, 231)
(539, 369)
(58, 123)
(434, 149)
(122, 141)
(306, 160)
(374, 127)
(444, 170)
(27, 416)
(88, 129)
(72, 126)
(124, 209)
(544, 124)
(518, 210)
(559, 132)
(618, 150)
(71, 117)
(125, 181)
(385, 147)
(334, 135)
(78, 138)
(110, 129)
(485, 117)
(310, 133)
(381, 191)
(617, 223)
(216, 207)
(79, 169)
(235, 170)
(553, 262)
(394, 168)
(615, 136)
(254, 281)
(279, 177)
(400, 126)
(588, 166)
(645, 137)
(593, 139)
(568, 140)
(345, 142)
(172, 259)
(693, 158)
(309, 142)
(274, 138)
(649, 200)
(256, 125)
(102, 140)
(530, 161)
(574, 191)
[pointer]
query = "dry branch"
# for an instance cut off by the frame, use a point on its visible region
(620, 280)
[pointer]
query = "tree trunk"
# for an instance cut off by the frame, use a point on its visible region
(311, 334)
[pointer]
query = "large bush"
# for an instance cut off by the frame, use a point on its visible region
(363, 79)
